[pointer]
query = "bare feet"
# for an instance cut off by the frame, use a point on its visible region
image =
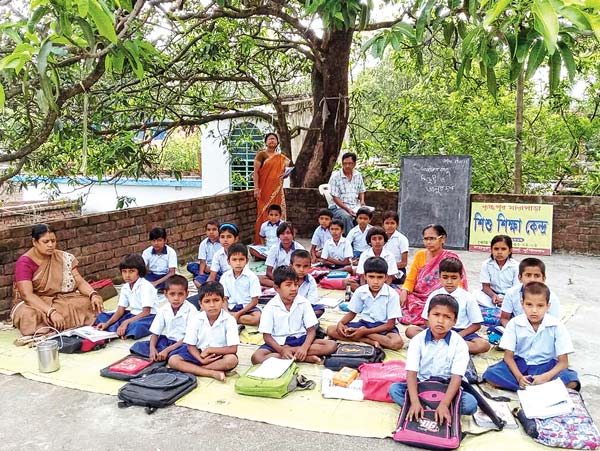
(313, 359)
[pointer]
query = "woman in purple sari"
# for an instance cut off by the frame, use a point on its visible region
(424, 277)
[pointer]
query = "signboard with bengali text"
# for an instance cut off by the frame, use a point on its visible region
(528, 225)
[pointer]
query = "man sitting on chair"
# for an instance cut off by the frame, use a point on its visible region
(347, 189)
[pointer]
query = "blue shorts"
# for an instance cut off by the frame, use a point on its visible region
(468, 403)
(143, 347)
(183, 352)
(371, 325)
(238, 307)
(137, 329)
(294, 342)
(153, 277)
(356, 254)
(320, 308)
(469, 337)
(500, 375)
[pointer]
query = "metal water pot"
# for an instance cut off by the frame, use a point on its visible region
(48, 356)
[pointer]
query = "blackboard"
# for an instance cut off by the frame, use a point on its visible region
(435, 190)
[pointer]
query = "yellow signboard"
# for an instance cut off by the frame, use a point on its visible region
(529, 226)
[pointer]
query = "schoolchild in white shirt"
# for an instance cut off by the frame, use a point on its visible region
(536, 346)
(469, 318)
(499, 273)
(242, 287)
(379, 307)
(436, 352)
(288, 324)
(357, 236)
(280, 255)
(397, 244)
(300, 261)
(137, 302)
(160, 259)
(207, 249)
(228, 235)
(170, 323)
(337, 252)
(376, 238)
(321, 234)
(211, 338)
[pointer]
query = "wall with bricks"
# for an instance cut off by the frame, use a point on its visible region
(20, 213)
(99, 241)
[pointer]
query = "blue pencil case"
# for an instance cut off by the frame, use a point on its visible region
(337, 275)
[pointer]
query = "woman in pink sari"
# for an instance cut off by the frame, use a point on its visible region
(269, 166)
(424, 277)
(49, 291)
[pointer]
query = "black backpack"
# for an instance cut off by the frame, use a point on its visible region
(353, 355)
(160, 388)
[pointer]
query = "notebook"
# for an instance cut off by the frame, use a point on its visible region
(272, 368)
(545, 400)
(502, 409)
(330, 302)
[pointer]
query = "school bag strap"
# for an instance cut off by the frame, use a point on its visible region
(484, 405)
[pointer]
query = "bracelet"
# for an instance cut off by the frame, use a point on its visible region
(49, 313)
(92, 294)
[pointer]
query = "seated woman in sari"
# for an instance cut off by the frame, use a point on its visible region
(49, 289)
(423, 277)
(269, 167)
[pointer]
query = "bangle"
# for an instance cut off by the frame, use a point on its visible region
(92, 294)
(49, 313)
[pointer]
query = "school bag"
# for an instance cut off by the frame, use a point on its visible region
(353, 355)
(377, 378)
(575, 430)
(427, 432)
(77, 345)
(160, 388)
(130, 367)
(277, 388)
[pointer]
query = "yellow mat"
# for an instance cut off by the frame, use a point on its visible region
(306, 410)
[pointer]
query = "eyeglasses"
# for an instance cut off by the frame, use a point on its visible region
(432, 238)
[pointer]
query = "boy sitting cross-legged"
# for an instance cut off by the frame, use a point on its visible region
(211, 337)
(536, 346)
(437, 352)
(307, 285)
(379, 306)
(288, 324)
(242, 288)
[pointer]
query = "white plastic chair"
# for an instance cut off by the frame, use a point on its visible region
(324, 191)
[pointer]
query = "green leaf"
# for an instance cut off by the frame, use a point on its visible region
(133, 56)
(594, 21)
(568, 60)
(88, 33)
(423, 18)
(2, 97)
(536, 56)
(493, 13)
(491, 82)
(35, 18)
(546, 23)
(83, 7)
(42, 57)
(523, 43)
(576, 17)
(406, 30)
(554, 74)
(103, 21)
(448, 32)
(47, 91)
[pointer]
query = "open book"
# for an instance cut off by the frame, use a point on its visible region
(330, 302)
(272, 368)
(89, 333)
(352, 392)
(502, 409)
(545, 400)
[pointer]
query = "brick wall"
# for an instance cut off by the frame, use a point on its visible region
(99, 241)
(576, 220)
(22, 213)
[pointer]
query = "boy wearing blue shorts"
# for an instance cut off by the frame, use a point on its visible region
(160, 258)
(536, 346)
(437, 352)
(300, 261)
(321, 234)
(211, 337)
(242, 288)
(170, 323)
(288, 324)
(207, 249)
(379, 306)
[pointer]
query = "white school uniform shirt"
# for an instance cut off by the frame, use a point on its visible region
(143, 294)
(442, 358)
(223, 332)
(308, 289)
(281, 323)
(320, 237)
(397, 245)
(389, 259)
(358, 238)
(268, 231)
(500, 279)
(207, 250)
(512, 302)
(278, 256)
(381, 308)
(339, 251)
(160, 263)
(536, 347)
(468, 308)
(240, 290)
(171, 325)
(220, 263)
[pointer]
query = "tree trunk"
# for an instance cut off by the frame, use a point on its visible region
(323, 141)
(519, 135)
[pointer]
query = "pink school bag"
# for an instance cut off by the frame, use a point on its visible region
(377, 378)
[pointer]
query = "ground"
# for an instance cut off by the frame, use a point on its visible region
(39, 416)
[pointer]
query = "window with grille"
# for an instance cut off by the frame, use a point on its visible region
(244, 141)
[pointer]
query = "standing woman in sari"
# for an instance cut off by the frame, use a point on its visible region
(424, 275)
(269, 166)
(49, 289)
